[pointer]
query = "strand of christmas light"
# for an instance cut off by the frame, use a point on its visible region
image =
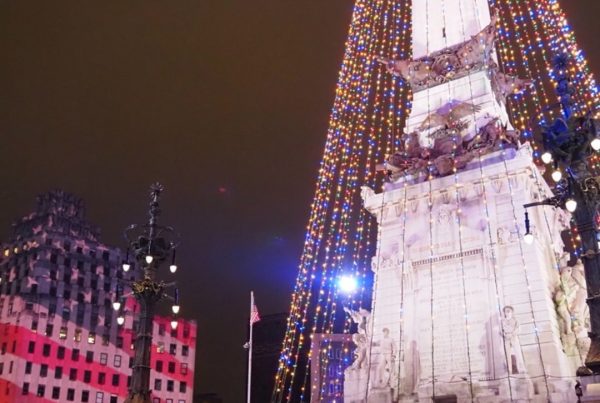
(346, 112)
(492, 250)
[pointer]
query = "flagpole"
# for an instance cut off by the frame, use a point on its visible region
(250, 347)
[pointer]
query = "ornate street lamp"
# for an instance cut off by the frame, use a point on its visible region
(568, 144)
(151, 244)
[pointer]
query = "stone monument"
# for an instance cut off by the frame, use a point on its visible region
(463, 309)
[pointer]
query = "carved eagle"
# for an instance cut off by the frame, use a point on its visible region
(449, 114)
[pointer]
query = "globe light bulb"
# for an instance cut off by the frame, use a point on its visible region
(571, 205)
(174, 324)
(116, 305)
(120, 320)
(149, 259)
(546, 157)
(173, 268)
(528, 238)
(175, 309)
(126, 267)
(595, 144)
(556, 176)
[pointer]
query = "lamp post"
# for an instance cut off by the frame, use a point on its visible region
(569, 143)
(151, 245)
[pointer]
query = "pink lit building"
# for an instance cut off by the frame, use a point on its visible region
(59, 340)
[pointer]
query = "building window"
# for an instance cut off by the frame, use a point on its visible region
(101, 378)
(161, 330)
(105, 340)
(41, 390)
(73, 374)
(99, 397)
(92, 338)
(182, 387)
(46, 350)
(157, 384)
(70, 395)
(31, 347)
(103, 358)
(115, 379)
(75, 354)
(183, 368)
(49, 330)
(156, 400)
(58, 373)
(44, 370)
(77, 336)
(119, 342)
(174, 332)
(113, 399)
(85, 396)
(173, 349)
(172, 367)
(117, 361)
(160, 347)
(169, 400)
(89, 356)
(28, 365)
(185, 350)
(159, 366)
(186, 332)
(87, 376)
(60, 353)
(170, 386)
(55, 392)
(25, 389)
(1, 368)
(63, 333)
(34, 324)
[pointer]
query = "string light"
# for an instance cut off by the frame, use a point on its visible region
(366, 123)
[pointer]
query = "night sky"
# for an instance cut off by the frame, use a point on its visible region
(225, 102)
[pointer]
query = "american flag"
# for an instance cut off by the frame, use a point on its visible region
(254, 317)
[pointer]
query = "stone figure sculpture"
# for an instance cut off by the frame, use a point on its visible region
(512, 346)
(361, 318)
(385, 366)
(449, 115)
(445, 65)
(504, 85)
(360, 354)
(570, 300)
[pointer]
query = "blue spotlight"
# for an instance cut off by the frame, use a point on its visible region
(347, 284)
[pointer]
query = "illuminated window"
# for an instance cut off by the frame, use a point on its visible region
(77, 336)
(63, 333)
(160, 347)
(92, 338)
(6, 252)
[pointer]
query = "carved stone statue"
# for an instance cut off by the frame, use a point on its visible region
(570, 300)
(385, 366)
(360, 354)
(361, 318)
(512, 346)
(504, 85)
